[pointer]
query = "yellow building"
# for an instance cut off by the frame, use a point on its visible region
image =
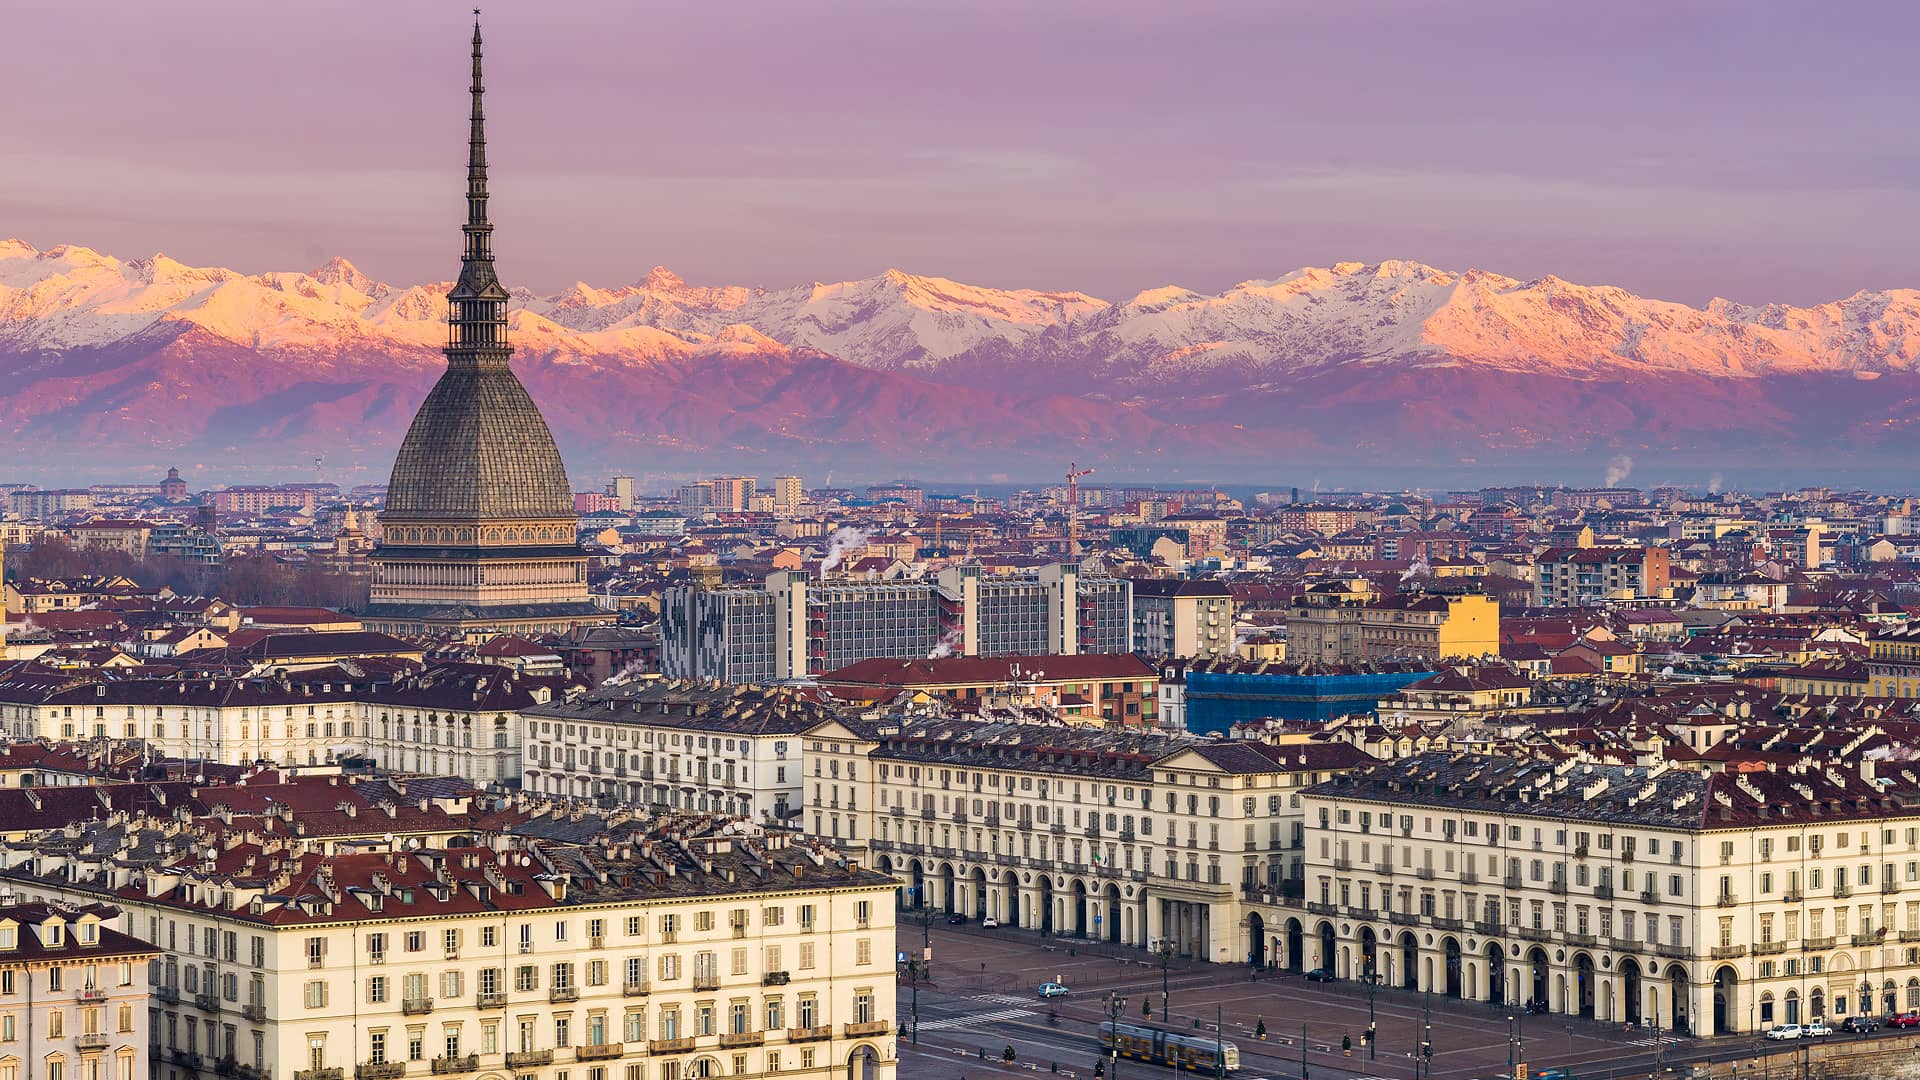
(1347, 627)
(1893, 666)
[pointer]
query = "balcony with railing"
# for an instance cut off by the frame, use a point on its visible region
(92, 995)
(1728, 952)
(1726, 899)
(254, 1011)
(1603, 892)
(865, 1027)
(379, 1070)
(1768, 948)
(598, 1051)
(207, 1000)
(670, 1046)
(1676, 952)
(810, 1034)
(522, 1059)
(416, 1006)
(1486, 926)
(463, 1063)
(569, 993)
(742, 1038)
(93, 1040)
(312, 1074)
(189, 1059)
(706, 982)
(168, 994)
(775, 978)
(484, 1000)
(1814, 944)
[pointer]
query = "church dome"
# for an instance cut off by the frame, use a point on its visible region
(478, 448)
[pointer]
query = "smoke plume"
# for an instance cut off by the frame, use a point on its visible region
(844, 539)
(1618, 470)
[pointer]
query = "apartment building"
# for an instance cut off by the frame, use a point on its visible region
(1101, 835)
(795, 626)
(688, 949)
(73, 993)
(1102, 688)
(660, 742)
(454, 719)
(1190, 618)
(1893, 662)
(1709, 903)
(1338, 625)
(1585, 576)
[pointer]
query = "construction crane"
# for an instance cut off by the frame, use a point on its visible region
(1074, 473)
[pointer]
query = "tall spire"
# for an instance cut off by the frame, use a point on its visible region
(477, 305)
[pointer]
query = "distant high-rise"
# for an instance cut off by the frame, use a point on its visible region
(621, 488)
(478, 529)
(787, 493)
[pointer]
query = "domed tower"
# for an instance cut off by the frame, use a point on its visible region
(478, 529)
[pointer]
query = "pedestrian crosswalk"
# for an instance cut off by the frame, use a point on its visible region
(975, 1020)
(1651, 1040)
(1004, 999)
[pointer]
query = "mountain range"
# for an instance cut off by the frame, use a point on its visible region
(106, 363)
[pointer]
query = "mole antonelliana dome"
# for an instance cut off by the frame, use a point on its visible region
(478, 448)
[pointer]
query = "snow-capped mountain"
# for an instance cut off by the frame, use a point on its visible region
(1318, 361)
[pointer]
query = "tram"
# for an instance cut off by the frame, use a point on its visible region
(1143, 1043)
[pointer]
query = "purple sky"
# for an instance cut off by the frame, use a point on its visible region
(1762, 151)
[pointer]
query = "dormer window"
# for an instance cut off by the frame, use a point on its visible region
(89, 933)
(9, 936)
(56, 934)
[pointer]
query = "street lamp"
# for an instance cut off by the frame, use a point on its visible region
(1372, 981)
(1163, 951)
(1115, 1003)
(1423, 1060)
(1509, 1046)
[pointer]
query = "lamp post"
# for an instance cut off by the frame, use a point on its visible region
(1509, 1046)
(1372, 981)
(1426, 1042)
(1163, 951)
(919, 967)
(1115, 1003)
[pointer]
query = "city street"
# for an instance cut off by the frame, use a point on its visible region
(982, 996)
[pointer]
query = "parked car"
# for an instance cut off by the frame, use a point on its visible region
(1860, 1024)
(1818, 1029)
(989, 923)
(1052, 990)
(956, 919)
(1904, 1020)
(1784, 1032)
(1321, 975)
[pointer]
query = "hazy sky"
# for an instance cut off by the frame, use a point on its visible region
(1760, 151)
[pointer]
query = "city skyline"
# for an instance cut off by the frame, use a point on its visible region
(1708, 150)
